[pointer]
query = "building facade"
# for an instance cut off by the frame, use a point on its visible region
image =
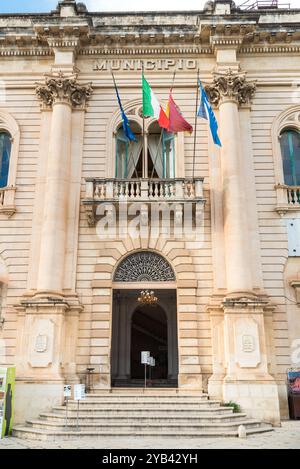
(73, 263)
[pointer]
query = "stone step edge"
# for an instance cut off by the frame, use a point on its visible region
(150, 395)
(149, 389)
(145, 408)
(145, 416)
(147, 399)
(147, 403)
(120, 405)
(96, 425)
(80, 434)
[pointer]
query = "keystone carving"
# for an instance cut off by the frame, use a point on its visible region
(61, 88)
(230, 86)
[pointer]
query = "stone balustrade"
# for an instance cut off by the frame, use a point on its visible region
(143, 189)
(288, 198)
(140, 190)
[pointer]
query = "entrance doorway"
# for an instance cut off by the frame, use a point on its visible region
(149, 331)
(137, 328)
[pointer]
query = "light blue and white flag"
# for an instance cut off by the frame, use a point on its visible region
(205, 111)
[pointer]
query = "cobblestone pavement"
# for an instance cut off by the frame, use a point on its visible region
(286, 437)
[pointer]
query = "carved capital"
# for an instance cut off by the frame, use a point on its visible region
(61, 88)
(230, 86)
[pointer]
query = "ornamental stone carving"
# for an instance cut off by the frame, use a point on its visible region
(144, 267)
(230, 86)
(61, 88)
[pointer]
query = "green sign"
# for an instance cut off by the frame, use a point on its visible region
(7, 391)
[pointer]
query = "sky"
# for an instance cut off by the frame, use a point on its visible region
(27, 6)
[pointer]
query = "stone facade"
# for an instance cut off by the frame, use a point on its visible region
(238, 288)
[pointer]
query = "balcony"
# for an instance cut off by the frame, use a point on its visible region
(7, 201)
(288, 198)
(178, 190)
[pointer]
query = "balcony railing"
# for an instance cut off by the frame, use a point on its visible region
(264, 5)
(143, 189)
(288, 198)
(140, 190)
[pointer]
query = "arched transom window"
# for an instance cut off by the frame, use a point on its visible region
(144, 266)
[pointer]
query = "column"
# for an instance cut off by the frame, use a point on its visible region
(62, 94)
(228, 91)
(238, 325)
(49, 316)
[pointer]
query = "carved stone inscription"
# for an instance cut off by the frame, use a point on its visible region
(41, 343)
(246, 337)
(147, 64)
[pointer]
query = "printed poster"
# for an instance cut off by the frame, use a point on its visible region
(7, 391)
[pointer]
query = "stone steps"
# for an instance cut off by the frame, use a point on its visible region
(138, 408)
(146, 391)
(148, 400)
(148, 405)
(140, 427)
(139, 414)
(145, 418)
(51, 435)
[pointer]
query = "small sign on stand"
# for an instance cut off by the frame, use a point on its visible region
(79, 394)
(67, 395)
(151, 364)
(145, 356)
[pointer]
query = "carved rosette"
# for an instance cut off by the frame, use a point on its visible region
(61, 88)
(230, 86)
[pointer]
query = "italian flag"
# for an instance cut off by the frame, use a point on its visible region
(151, 106)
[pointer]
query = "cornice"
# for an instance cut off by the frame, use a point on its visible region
(25, 52)
(146, 51)
(129, 38)
(267, 49)
(125, 51)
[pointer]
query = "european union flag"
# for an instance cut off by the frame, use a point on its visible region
(205, 111)
(126, 126)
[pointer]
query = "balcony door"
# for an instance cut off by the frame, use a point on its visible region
(158, 162)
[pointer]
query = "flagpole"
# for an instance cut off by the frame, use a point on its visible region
(195, 125)
(173, 80)
(145, 166)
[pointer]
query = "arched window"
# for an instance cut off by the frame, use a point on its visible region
(159, 161)
(290, 152)
(144, 266)
(5, 150)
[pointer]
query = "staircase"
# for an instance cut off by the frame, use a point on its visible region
(137, 412)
